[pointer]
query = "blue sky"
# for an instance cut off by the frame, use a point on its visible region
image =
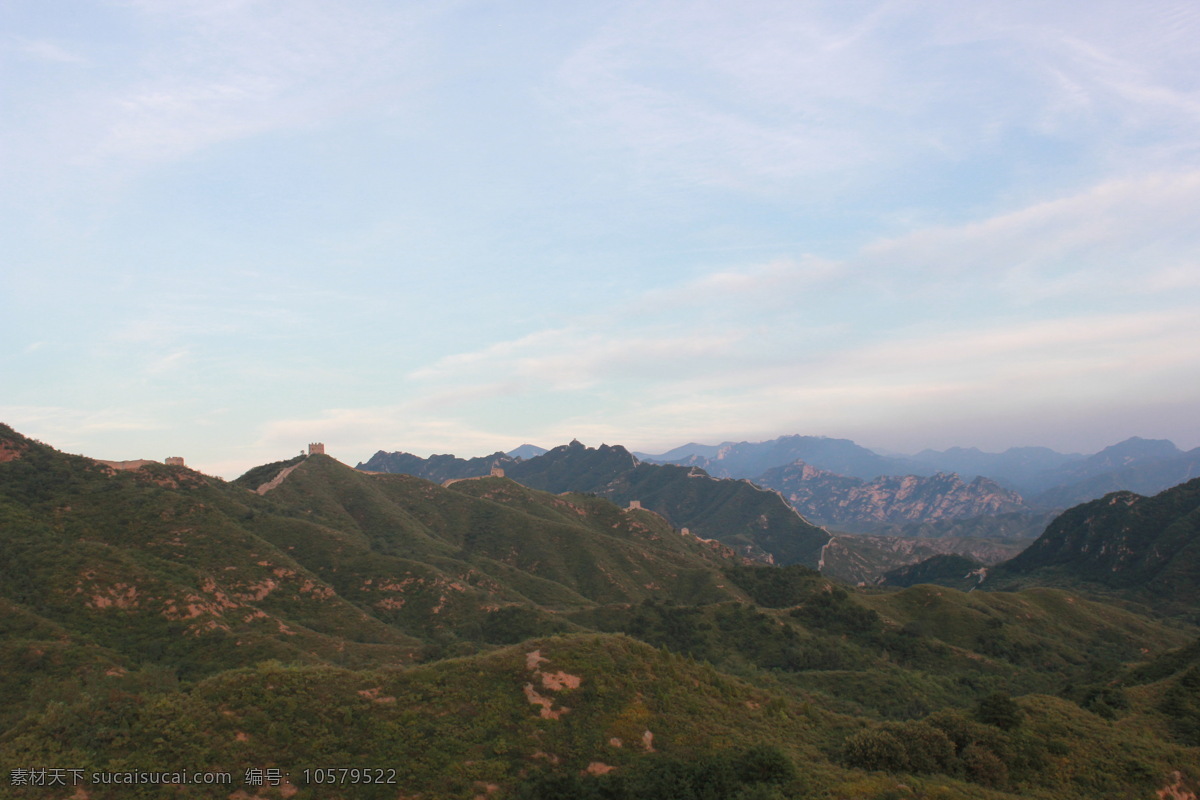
(233, 227)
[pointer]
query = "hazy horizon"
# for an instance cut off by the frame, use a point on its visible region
(332, 450)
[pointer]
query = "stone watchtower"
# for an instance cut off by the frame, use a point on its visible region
(316, 449)
(174, 461)
(496, 472)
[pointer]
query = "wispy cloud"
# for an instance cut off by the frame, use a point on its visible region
(1121, 237)
(64, 426)
(239, 69)
(578, 358)
(789, 352)
(458, 225)
(760, 96)
(199, 74)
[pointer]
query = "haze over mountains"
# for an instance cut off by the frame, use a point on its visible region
(841, 486)
(1045, 478)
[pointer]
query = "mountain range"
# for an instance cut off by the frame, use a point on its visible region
(749, 460)
(1145, 550)
(1045, 478)
(708, 492)
(757, 522)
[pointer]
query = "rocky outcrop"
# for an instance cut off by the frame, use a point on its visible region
(832, 499)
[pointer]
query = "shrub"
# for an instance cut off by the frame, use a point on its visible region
(875, 749)
(929, 749)
(763, 764)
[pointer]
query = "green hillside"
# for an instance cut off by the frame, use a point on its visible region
(756, 522)
(1145, 549)
(487, 639)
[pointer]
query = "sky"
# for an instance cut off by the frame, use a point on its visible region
(229, 228)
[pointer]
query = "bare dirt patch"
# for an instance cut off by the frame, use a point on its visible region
(484, 789)
(119, 595)
(547, 711)
(10, 451)
(1177, 790)
(557, 681)
(257, 591)
(318, 590)
(376, 695)
(554, 681)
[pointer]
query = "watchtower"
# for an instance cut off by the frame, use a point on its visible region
(316, 448)
(174, 461)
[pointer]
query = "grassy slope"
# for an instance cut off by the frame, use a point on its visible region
(454, 727)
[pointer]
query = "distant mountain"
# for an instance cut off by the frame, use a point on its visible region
(1046, 479)
(851, 503)
(436, 468)
(1146, 475)
(1018, 467)
(749, 460)
(527, 451)
(756, 522)
(684, 452)
(1056, 480)
(1130, 452)
(734, 512)
(576, 468)
(1145, 547)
